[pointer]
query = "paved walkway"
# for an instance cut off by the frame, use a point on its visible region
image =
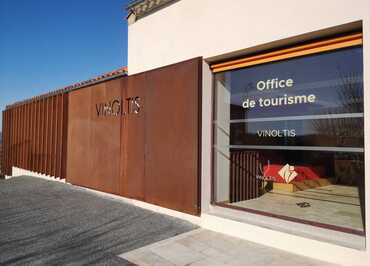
(52, 223)
(202, 247)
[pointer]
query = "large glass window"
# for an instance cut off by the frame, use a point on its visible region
(289, 139)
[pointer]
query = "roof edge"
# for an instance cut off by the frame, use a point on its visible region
(79, 85)
(142, 8)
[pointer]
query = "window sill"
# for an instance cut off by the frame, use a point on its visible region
(303, 230)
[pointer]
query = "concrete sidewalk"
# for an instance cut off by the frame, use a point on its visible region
(52, 223)
(206, 248)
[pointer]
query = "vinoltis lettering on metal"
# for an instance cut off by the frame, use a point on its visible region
(117, 107)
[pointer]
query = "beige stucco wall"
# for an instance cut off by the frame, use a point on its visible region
(207, 28)
(210, 28)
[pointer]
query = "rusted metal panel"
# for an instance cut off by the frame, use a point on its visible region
(59, 137)
(79, 138)
(2, 150)
(123, 140)
(21, 137)
(34, 136)
(54, 147)
(11, 134)
(64, 145)
(4, 143)
(2, 154)
(40, 136)
(133, 139)
(14, 136)
(106, 147)
(28, 154)
(11, 141)
(29, 135)
(171, 134)
(16, 133)
(94, 139)
(37, 134)
(8, 143)
(159, 146)
(16, 139)
(44, 136)
(147, 148)
(56, 135)
(50, 134)
(37, 137)
(25, 136)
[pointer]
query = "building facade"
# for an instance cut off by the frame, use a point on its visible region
(250, 118)
(284, 107)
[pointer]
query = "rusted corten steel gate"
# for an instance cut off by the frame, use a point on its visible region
(35, 134)
(136, 136)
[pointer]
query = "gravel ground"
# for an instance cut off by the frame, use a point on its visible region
(50, 223)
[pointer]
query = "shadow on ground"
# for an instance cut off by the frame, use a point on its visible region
(51, 223)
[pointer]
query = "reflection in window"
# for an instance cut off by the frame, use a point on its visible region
(289, 139)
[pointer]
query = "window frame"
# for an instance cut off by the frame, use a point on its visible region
(316, 47)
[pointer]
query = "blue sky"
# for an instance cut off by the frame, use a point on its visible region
(46, 45)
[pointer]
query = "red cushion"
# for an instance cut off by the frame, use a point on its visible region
(304, 172)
